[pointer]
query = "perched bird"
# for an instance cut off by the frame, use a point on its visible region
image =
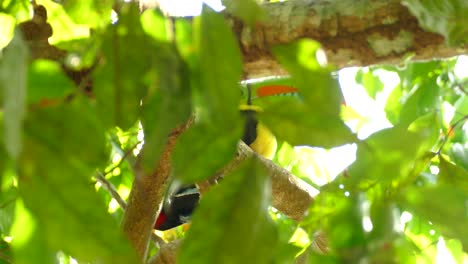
(179, 206)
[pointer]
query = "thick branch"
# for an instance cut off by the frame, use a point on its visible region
(382, 32)
(146, 197)
(290, 195)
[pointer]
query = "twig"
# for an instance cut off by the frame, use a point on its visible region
(450, 131)
(111, 189)
(122, 159)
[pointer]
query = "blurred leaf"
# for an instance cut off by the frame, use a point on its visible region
(154, 24)
(425, 99)
(219, 235)
(346, 238)
(94, 13)
(201, 151)
(62, 127)
(216, 96)
(47, 83)
(247, 10)
(459, 155)
(8, 27)
(388, 156)
(7, 209)
(316, 120)
(169, 105)
(119, 82)
(13, 72)
(431, 202)
(453, 175)
(446, 18)
(30, 241)
(371, 83)
(16, 8)
(55, 184)
(220, 70)
(298, 125)
(394, 105)
(320, 91)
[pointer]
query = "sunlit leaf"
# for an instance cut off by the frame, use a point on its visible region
(13, 83)
(387, 156)
(90, 12)
(452, 174)
(63, 26)
(30, 245)
(431, 202)
(219, 235)
(459, 155)
(369, 81)
(298, 125)
(154, 24)
(8, 26)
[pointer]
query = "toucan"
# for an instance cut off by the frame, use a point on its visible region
(180, 204)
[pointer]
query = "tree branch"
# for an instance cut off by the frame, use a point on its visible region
(382, 32)
(146, 196)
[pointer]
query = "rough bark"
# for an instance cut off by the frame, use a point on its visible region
(146, 196)
(290, 195)
(351, 34)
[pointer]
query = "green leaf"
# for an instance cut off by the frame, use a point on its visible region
(369, 81)
(55, 183)
(120, 81)
(30, 241)
(62, 127)
(424, 99)
(247, 10)
(320, 91)
(16, 8)
(47, 83)
(13, 72)
(202, 151)
(298, 125)
(388, 157)
(459, 154)
(316, 120)
(220, 70)
(94, 13)
(8, 26)
(447, 18)
(168, 106)
(216, 98)
(393, 105)
(7, 209)
(154, 24)
(451, 174)
(239, 230)
(431, 202)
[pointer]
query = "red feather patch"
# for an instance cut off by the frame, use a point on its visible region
(270, 90)
(160, 221)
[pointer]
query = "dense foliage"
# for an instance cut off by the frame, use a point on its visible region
(114, 83)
